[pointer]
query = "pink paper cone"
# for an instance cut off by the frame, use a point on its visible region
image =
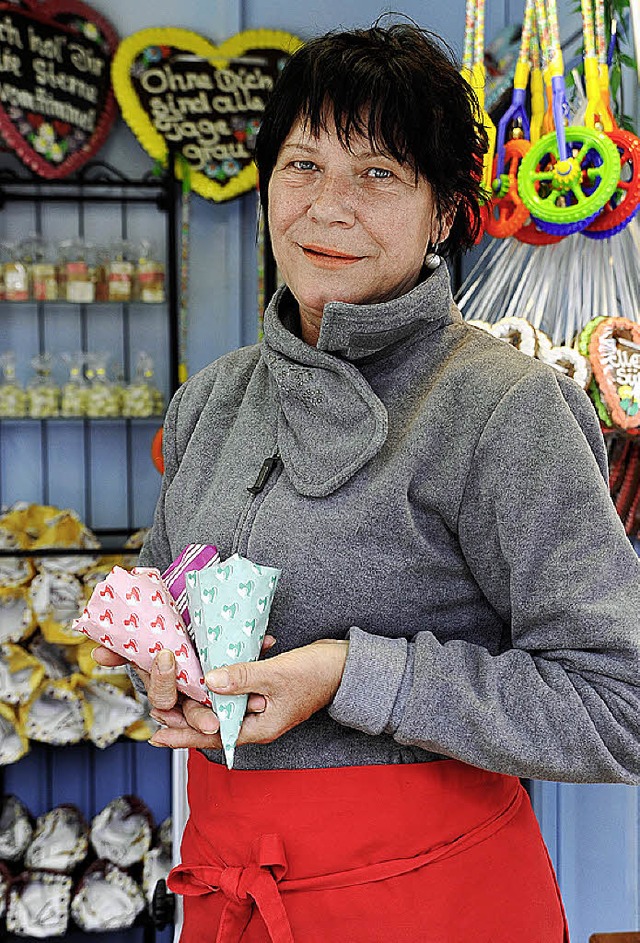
(133, 614)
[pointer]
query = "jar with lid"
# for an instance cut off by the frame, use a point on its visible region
(15, 276)
(150, 276)
(40, 257)
(77, 271)
(120, 271)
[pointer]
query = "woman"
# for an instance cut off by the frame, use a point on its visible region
(458, 605)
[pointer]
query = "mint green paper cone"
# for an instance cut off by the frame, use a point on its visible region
(229, 605)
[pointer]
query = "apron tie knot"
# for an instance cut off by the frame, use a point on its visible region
(243, 886)
(229, 884)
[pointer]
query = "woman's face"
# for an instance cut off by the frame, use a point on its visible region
(346, 225)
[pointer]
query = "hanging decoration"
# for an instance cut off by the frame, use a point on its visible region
(507, 213)
(567, 177)
(180, 93)
(56, 101)
(473, 69)
(560, 280)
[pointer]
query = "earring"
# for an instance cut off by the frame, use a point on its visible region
(432, 260)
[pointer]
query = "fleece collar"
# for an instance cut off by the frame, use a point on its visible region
(330, 422)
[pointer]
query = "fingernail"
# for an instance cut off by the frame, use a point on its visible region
(209, 724)
(165, 661)
(218, 680)
(152, 743)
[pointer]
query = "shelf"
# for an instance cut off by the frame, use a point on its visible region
(111, 539)
(115, 551)
(159, 917)
(98, 465)
(96, 182)
(144, 928)
(5, 303)
(137, 420)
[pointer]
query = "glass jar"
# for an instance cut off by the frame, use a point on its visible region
(40, 258)
(120, 271)
(77, 270)
(150, 275)
(15, 276)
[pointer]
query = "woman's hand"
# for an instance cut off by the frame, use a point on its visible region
(184, 722)
(293, 686)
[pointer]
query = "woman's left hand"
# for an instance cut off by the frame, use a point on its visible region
(289, 688)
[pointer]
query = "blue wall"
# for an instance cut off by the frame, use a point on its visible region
(592, 831)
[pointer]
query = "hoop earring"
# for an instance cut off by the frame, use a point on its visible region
(432, 260)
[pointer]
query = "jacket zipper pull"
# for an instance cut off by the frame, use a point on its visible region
(263, 475)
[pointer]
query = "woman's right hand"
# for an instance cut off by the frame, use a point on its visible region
(186, 722)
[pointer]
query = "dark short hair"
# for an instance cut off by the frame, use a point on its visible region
(400, 88)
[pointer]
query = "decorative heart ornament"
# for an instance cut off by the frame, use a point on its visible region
(56, 102)
(614, 351)
(569, 361)
(179, 92)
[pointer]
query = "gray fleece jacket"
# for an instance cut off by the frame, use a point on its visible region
(440, 499)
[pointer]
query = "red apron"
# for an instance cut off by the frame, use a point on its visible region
(422, 853)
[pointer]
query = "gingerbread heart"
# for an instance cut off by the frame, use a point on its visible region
(614, 352)
(569, 361)
(56, 102)
(180, 93)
